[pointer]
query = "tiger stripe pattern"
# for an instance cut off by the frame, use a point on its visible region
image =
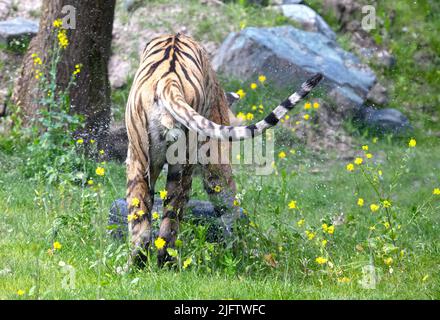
(175, 86)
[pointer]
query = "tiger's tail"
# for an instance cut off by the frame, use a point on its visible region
(172, 99)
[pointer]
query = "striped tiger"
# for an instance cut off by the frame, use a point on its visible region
(176, 85)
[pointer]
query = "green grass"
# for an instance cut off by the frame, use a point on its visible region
(322, 188)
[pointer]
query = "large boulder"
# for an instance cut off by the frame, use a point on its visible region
(287, 56)
(384, 121)
(17, 29)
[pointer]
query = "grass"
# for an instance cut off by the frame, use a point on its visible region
(30, 213)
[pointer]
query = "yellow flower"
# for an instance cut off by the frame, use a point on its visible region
(241, 116)
(375, 139)
(388, 261)
(253, 86)
(90, 182)
(412, 143)
(292, 204)
(344, 280)
(369, 155)
(282, 155)
(254, 108)
(218, 189)
(241, 93)
(365, 148)
(163, 194)
(63, 41)
(187, 263)
(310, 235)
(380, 172)
(358, 161)
(300, 223)
(101, 152)
(321, 260)
(287, 117)
(262, 78)
(436, 191)
(159, 243)
(172, 252)
(307, 106)
(386, 225)
(140, 213)
(236, 202)
(325, 227)
(316, 105)
(292, 151)
(100, 171)
(374, 207)
(360, 202)
(306, 117)
(58, 23)
(386, 204)
(155, 215)
(324, 242)
(250, 116)
(242, 25)
(80, 141)
(350, 167)
(20, 292)
(298, 123)
(132, 217)
(57, 245)
(372, 228)
(331, 230)
(135, 202)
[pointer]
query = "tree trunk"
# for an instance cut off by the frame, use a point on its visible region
(90, 46)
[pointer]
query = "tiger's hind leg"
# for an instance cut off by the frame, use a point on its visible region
(179, 181)
(141, 178)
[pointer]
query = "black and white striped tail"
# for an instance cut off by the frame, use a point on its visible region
(196, 122)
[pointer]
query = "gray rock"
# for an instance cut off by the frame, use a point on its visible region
(17, 29)
(292, 1)
(287, 56)
(385, 120)
(307, 18)
(119, 70)
(378, 94)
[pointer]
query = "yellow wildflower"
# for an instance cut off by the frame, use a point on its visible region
(292, 204)
(380, 173)
(100, 171)
(254, 108)
(365, 148)
(344, 280)
(58, 23)
(80, 141)
(306, 117)
(388, 261)
(282, 155)
(90, 182)
(187, 263)
(310, 235)
(155, 215)
(321, 260)
(350, 167)
(20, 292)
(375, 139)
(254, 86)
(316, 105)
(163, 194)
(360, 202)
(300, 223)
(369, 155)
(307, 106)
(236, 202)
(412, 143)
(92, 141)
(101, 152)
(241, 93)
(262, 78)
(386, 225)
(159, 243)
(57, 245)
(132, 217)
(436, 191)
(331, 230)
(217, 189)
(135, 202)
(325, 227)
(63, 41)
(250, 116)
(324, 242)
(358, 161)
(386, 204)
(374, 207)
(140, 213)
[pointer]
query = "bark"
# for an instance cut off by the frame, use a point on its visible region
(89, 45)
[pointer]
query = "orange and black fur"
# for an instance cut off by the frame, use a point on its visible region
(175, 85)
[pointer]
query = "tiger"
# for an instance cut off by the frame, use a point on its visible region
(176, 86)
